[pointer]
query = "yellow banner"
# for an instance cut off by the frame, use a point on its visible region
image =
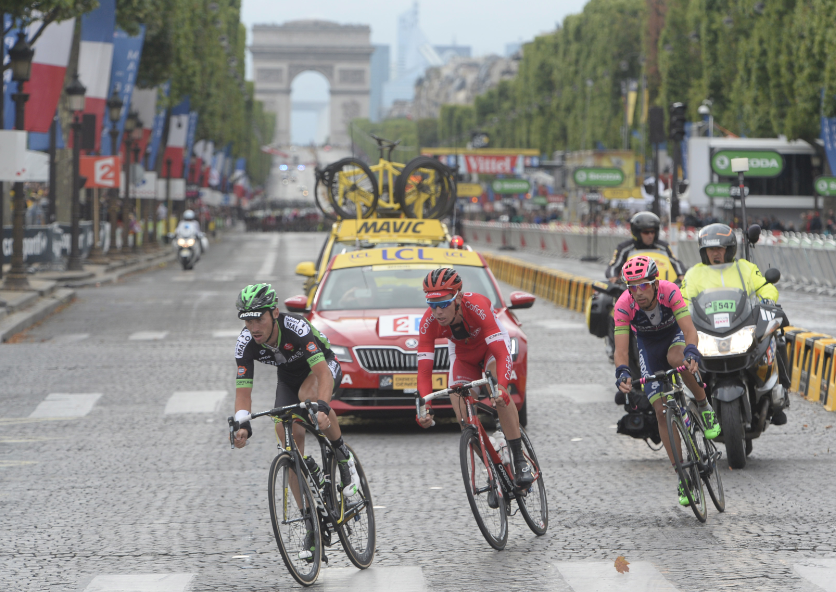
(395, 230)
(618, 193)
(632, 93)
(469, 190)
(407, 255)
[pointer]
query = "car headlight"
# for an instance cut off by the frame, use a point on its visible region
(515, 348)
(343, 354)
(738, 342)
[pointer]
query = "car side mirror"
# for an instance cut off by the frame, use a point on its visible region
(522, 300)
(772, 275)
(306, 268)
(754, 233)
(297, 304)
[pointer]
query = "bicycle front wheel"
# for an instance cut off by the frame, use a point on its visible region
(533, 504)
(425, 188)
(356, 517)
(487, 500)
(708, 469)
(295, 524)
(352, 188)
(687, 465)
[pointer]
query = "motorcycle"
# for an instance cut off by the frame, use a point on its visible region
(189, 248)
(741, 341)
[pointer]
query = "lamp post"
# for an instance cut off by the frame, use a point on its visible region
(75, 93)
(21, 58)
(138, 206)
(130, 126)
(114, 113)
(169, 211)
(148, 220)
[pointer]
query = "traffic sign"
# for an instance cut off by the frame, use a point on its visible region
(724, 190)
(762, 163)
(825, 186)
(511, 186)
(598, 177)
(468, 189)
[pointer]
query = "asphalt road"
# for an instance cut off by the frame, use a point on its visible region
(116, 488)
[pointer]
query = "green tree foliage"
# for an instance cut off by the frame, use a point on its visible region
(405, 130)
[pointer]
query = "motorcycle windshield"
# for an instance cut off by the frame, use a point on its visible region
(721, 310)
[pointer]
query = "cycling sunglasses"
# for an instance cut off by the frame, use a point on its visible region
(639, 287)
(442, 303)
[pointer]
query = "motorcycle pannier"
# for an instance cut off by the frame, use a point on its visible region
(598, 316)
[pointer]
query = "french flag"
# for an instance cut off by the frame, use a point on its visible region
(178, 132)
(95, 58)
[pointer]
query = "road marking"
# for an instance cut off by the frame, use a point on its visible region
(821, 572)
(195, 402)
(16, 463)
(266, 271)
(226, 333)
(148, 336)
(579, 393)
(141, 583)
(374, 579)
(185, 277)
(576, 439)
(25, 440)
(599, 576)
(71, 338)
(65, 405)
(557, 324)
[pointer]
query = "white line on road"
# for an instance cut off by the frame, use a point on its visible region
(148, 335)
(266, 270)
(195, 402)
(141, 583)
(821, 572)
(557, 324)
(70, 338)
(601, 576)
(579, 393)
(374, 579)
(226, 333)
(66, 405)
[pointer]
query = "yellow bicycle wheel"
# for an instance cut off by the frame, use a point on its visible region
(426, 188)
(352, 188)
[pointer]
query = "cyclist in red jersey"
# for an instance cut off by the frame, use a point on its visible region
(476, 340)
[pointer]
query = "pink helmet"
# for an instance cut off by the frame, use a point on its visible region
(638, 269)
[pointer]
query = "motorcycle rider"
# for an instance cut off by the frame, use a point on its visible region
(718, 246)
(645, 229)
(189, 227)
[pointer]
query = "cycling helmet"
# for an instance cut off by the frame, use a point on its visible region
(717, 235)
(457, 242)
(644, 221)
(639, 269)
(441, 282)
(255, 299)
(188, 215)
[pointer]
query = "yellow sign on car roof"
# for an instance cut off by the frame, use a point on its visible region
(407, 256)
(389, 231)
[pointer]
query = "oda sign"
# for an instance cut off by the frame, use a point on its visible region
(762, 163)
(598, 177)
(826, 186)
(511, 186)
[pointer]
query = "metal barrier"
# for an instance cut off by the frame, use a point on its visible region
(807, 262)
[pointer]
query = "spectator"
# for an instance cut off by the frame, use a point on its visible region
(831, 222)
(815, 223)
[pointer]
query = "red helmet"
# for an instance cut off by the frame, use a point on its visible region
(638, 269)
(457, 242)
(441, 282)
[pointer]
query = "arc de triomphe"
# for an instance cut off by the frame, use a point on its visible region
(339, 52)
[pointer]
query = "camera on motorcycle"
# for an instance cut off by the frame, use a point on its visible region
(772, 275)
(754, 233)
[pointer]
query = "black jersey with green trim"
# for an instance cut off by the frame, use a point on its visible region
(300, 346)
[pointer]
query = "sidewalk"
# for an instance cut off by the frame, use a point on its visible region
(51, 290)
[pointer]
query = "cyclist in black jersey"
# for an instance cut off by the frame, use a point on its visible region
(306, 367)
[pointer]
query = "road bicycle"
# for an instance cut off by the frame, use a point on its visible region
(488, 481)
(307, 513)
(695, 456)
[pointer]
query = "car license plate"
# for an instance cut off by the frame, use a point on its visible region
(410, 381)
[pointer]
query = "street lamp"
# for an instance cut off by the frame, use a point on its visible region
(21, 60)
(75, 94)
(136, 136)
(130, 126)
(114, 113)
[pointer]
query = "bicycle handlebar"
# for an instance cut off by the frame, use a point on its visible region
(662, 374)
(420, 402)
(312, 407)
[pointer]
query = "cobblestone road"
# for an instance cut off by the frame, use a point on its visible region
(125, 496)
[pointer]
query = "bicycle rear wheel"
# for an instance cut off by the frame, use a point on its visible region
(321, 196)
(533, 504)
(357, 533)
(352, 187)
(425, 188)
(294, 519)
(708, 456)
(686, 464)
(483, 490)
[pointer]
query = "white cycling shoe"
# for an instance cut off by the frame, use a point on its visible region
(348, 472)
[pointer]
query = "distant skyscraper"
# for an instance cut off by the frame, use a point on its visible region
(512, 48)
(379, 77)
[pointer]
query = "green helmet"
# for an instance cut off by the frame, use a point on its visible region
(255, 299)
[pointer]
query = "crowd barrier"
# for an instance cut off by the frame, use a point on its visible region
(812, 356)
(807, 262)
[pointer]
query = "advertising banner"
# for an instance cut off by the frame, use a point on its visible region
(101, 171)
(492, 164)
(126, 53)
(762, 163)
(37, 245)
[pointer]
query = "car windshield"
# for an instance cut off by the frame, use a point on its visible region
(392, 286)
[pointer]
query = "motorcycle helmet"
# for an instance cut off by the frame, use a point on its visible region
(457, 242)
(639, 269)
(644, 221)
(717, 235)
(188, 215)
(441, 282)
(255, 299)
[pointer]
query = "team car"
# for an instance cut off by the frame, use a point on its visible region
(369, 305)
(353, 235)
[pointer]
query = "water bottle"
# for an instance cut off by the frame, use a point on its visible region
(317, 475)
(501, 446)
(686, 419)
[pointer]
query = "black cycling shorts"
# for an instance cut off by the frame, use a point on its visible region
(287, 390)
